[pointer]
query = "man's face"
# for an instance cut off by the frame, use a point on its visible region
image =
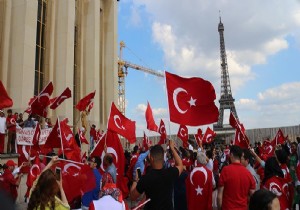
(9, 113)
(92, 163)
(1, 114)
(243, 161)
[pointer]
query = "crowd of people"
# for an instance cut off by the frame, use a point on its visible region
(166, 177)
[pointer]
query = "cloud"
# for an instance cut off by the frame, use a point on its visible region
(187, 33)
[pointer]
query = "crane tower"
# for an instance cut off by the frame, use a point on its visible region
(122, 73)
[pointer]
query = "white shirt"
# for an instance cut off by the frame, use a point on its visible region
(108, 203)
(2, 125)
(210, 164)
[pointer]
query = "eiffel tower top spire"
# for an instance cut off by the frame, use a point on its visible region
(226, 99)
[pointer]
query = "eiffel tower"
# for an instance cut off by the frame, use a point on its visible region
(226, 100)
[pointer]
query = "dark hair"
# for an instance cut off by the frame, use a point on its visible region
(281, 156)
(247, 154)
(236, 151)
(135, 149)
(298, 139)
(44, 191)
(108, 158)
(261, 200)
(97, 160)
(272, 168)
(157, 153)
(209, 154)
(9, 111)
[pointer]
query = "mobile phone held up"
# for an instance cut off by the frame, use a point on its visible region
(139, 172)
(57, 173)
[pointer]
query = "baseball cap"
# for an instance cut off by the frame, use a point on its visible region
(11, 163)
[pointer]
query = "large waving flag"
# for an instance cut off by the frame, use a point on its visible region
(5, 100)
(191, 100)
(84, 102)
(150, 119)
(63, 96)
(183, 134)
(42, 101)
(163, 132)
(118, 123)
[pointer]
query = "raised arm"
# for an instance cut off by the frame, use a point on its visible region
(178, 161)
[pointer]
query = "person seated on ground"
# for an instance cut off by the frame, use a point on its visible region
(264, 200)
(110, 198)
(45, 190)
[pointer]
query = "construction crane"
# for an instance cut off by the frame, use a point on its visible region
(122, 73)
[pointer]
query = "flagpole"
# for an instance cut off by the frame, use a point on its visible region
(142, 204)
(71, 161)
(62, 146)
(98, 141)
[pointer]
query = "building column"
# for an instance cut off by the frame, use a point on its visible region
(20, 60)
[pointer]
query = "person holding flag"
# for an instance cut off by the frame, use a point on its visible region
(158, 182)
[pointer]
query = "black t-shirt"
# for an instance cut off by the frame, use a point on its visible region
(158, 186)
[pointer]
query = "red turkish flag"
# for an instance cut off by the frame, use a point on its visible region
(120, 124)
(150, 119)
(36, 137)
(279, 138)
(240, 136)
(191, 100)
(268, 148)
(77, 179)
(145, 142)
(183, 134)
(90, 106)
(26, 154)
(163, 132)
(84, 102)
(58, 100)
(241, 140)
(209, 136)
(199, 136)
(82, 138)
(34, 172)
(199, 188)
(5, 100)
(40, 103)
(112, 142)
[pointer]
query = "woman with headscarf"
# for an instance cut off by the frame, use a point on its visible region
(47, 192)
(274, 181)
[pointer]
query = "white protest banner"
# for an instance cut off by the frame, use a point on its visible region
(25, 135)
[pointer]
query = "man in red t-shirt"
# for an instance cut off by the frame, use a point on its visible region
(236, 183)
(10, 183)
(11, 127)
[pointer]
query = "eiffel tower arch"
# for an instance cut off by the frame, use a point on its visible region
(226, 100)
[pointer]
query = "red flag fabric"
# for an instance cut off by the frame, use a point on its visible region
(26, 154)
(150, 119)
(240, 136)
(199, 136)
(199, 188)
(54, 138)
(84, 102)
(268, 149)
(209, 135)
(36, 137)
(82, 138)
(40, 103)
(84, 157)
(183, 135)
(163, 132)
(145, 142)
(279, 138)
(90, 106)
(112, 142)
(5, 100)
(118, 123)
(191, 100)
(241, 140)
(58, 100)
(34, 172)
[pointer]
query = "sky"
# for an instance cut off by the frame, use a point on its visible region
(262, 41)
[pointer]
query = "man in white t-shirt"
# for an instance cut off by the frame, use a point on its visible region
(2, 130)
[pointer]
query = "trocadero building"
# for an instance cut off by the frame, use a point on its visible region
(72, 43)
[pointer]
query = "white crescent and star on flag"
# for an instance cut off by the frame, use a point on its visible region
(192, 101)
(116, 119)
(68, 165)
(200, 169)
(182, 132)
